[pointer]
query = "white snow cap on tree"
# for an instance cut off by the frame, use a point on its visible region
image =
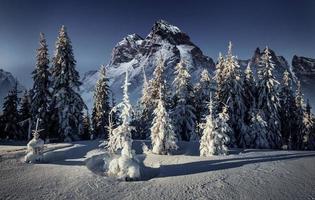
(162, 135)
(122, 133)
(215, 134)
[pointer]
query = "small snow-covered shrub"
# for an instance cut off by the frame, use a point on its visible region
(125, 166)
(35, 150)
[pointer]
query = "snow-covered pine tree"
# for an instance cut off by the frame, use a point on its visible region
(215, 135)
(101, 106)
(256, 136)
(157, 81)
(121, 135)
(287, 109)
(250, 92)
(231, 93)
(296, 140)
(41, 96)
(163, 138)
(218, 77)
(25, 106)
(86, 124)
(144, 113)
(10, 116)
(25, 114)
(66, 101)
(183, 113)
(201, 98)
(309, 133)
(268, 99)
(209, 134)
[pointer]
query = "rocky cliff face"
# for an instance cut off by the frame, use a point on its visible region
(134, 52)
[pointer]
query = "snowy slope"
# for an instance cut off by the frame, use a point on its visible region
(134, 52)
(7, 82)
(75, 171)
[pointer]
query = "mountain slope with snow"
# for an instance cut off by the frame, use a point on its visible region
(134, 52)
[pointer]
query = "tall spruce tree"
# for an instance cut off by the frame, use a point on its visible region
(67, 103)
(101, 108)
(183, 114)
(287, 109)
(163, 138)
(40, 95)
(268, 99)
(231, 93)
(144, 113)
(201, 98)
(10, 117)
(308, 130)
(86, 132)
(250, 92)
(296, 140)
(121, 135)
(25, 115)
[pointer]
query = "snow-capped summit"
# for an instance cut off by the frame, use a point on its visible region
(134, 52)
(162, 30)
(7, 82)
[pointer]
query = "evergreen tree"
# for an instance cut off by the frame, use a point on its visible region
(268, 99)
(256, 136)
(250, 92)
(25, 106)
(86, 133)
(10, 117)
(66, 101)
(214, 134)
(121, 135)
(101, 107)
(287, 109)
(296, 140)
(25, 114)
(144, 114)
(231, 92)
(162, 135)
(183, 114)
(201, 98)
(41, 96)
(308, 130)
(218, 77)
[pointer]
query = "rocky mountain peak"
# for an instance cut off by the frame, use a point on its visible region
(162, 30)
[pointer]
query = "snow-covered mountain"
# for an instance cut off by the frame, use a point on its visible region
(168, 41)
(7, 82)
(135, 52)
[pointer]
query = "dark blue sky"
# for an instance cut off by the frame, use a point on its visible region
(94, 26)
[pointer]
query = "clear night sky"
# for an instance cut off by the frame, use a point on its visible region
(287, 26)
